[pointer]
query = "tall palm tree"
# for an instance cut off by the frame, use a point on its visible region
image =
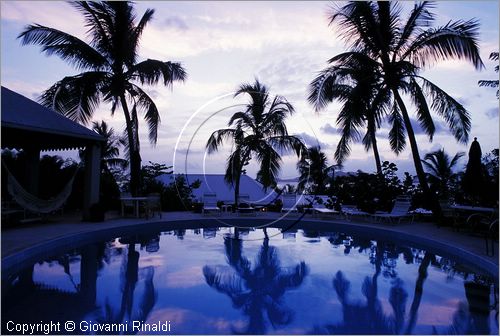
(111, 71)
(440, 167)
(491, 83)
(313, 171)
(111, 150)
(355, 84)
(260, 131)
(259, 289)
(398, 50)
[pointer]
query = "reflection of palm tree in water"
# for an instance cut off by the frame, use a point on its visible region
(129, 278)
(369, 318)
(259, 290)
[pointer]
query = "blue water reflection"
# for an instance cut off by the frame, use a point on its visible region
(222, 281)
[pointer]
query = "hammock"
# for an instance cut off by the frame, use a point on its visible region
(33, 203)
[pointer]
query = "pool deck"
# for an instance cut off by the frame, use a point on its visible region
(19, 239)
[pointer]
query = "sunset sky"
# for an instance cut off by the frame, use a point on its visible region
(225, 44)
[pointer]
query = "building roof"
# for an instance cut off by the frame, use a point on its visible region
(27, 123)
(214, 183)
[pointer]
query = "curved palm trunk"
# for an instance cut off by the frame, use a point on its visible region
(373, 138)
(135, 156)
(415, 153)
(238, 178)
(376, 153)
(237, 189)
(419, 288)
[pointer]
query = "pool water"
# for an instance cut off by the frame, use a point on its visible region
(207, 281)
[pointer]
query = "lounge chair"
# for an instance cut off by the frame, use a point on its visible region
(350, 210)
(244, 206)
(210, 203)
(153, 205)
(399, 211)
(319, 206)
(289, 203)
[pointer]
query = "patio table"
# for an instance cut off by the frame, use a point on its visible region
(136, 201)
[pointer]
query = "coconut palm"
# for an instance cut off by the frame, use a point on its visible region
(111, 71)
(376, 320)
(491, 83)
(440, 168)
(355, 84)
(313, 171)
(111, 150)
(260, 131)
(398, 50)
(257, 290)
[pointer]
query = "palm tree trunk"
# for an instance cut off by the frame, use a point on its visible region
(237, 188)
(238, 177)
(376, 153)
(419, 287)
(414, 148)
(135, 156)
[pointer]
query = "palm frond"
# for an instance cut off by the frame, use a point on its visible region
(324, 89)
(270, 165)
(244, 120)
(75, 97)
(488, 83)
(151, 114)
(137, 32)
(151, 71)
(455, 40)
(455, 159)
(456, 116)
(287, 143)
(99, 22)
(420, 17)
(218, 137)
(69, 48)
(397, 138)
(423, 112)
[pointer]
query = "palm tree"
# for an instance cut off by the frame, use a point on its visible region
(260, 131)
(356, 85)
(259, 289)
(440, 168)
(398, 50)
(111, 71)
(111, 150)
(313, 171)
(491, 83)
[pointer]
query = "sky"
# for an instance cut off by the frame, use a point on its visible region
(225, 44)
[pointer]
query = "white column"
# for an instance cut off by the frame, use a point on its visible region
(92, 177)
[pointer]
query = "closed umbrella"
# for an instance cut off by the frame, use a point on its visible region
(473, 180)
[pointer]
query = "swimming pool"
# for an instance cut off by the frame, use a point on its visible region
(208, 281)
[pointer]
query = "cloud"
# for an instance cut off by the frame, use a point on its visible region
(492, 113)
(311, 141)
(440, 127)
(176, 22)
(329, 129)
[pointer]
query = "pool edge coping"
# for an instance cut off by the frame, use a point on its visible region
(65, 241)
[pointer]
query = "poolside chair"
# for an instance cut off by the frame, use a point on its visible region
(320, 208)
(289, 203)
(244, 206)
(351, 210)
(210, 203)
(399, 211)
(126, 204)
(153, 204)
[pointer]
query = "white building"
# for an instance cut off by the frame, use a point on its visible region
(214, 183)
